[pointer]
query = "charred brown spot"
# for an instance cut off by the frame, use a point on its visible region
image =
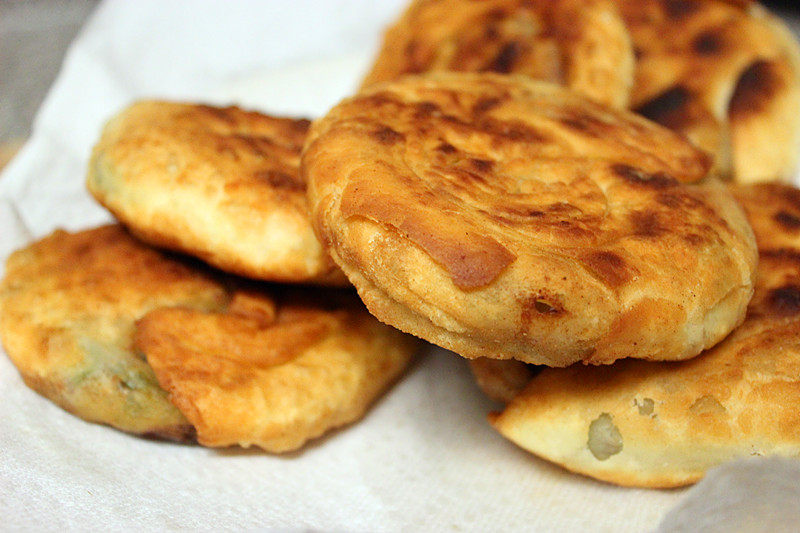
(485, 104)
(782, 255)
(388, 136)
(785, 300)
(707, 43)
(301, 125)
(379, 100)
(694, 239)
(511, 130)
(504, 213)
(482, 165)
(446, 148)
(787, 220)
(757, 86)
(646, 224)
(790, 194)
(225, 114)
(676, 200)
(678, 9)
(225, 147)
(426, 109)
(670, 108)
(579, 120)
(496, 15)
(636, 176)
(609, 267)
(504, 61)
(281, 180)
(259, 146)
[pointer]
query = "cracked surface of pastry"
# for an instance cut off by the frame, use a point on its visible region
(502, 217)
(726, 75)
(581, 44)
(221, 184)
(651, 424)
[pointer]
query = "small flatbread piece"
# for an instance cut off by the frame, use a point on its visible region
(653, 424)
(273, 379)
(581, 44)
(501, 217)
(221, 184)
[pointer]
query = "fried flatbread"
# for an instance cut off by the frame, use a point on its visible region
(273, 373)
(726, 75)
(502, 217)
(665, 424)
(67, 309)
(245, 363)
(581, 44)
(221, 184)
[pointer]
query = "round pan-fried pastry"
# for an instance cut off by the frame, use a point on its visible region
(221, 184)
(502, 217)
(581, 44)
(726, 75)
(68, 304)
(654, 424)
(245, 366)
(269, 372)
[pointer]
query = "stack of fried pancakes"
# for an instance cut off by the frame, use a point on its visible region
(616, 281)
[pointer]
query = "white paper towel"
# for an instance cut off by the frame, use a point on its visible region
(423, 459)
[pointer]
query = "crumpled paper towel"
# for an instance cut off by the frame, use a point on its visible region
(424, 458)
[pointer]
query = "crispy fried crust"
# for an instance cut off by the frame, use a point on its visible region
(582, 44)
(666, 424)
(67, 309)
(221, 184)
(273, 381)
(725, 74)
(501, 217)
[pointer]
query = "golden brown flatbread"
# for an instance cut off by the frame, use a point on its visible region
(221, 184)
(67, 309)
(726, 75)
(246, 364)
(582, 44)
(502, 217)
(273, 372)
(665, 424)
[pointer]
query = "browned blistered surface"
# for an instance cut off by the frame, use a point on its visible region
(67, 309)
(578, 43)
(218, 183)
(677, 420)
(501, 217)
(725, 74)
(273, 372)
